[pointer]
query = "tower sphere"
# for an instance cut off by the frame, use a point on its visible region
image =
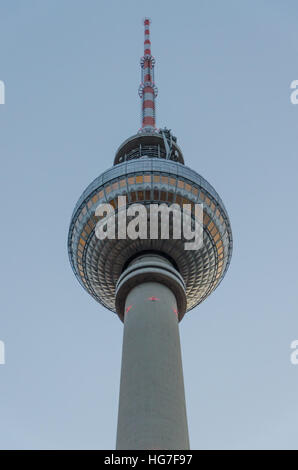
(149, 168)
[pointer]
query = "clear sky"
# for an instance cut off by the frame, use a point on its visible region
(71, 73)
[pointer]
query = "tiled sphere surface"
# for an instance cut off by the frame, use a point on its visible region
(98, 264)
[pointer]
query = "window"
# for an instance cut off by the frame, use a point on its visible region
(206, 218)
(163, 195)
(217, 237)
(179, 200)
(92, 222)
(170, 197)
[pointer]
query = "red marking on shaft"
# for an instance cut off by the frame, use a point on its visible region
(153, 298)
(128, 309)
(148, 120)
(148, 89)
(175, 311)
(148, 104)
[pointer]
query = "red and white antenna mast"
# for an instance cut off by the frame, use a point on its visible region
(147, 89)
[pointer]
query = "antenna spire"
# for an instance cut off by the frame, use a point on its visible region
(147, 89)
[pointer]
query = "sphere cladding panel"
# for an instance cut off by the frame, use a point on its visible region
(98, 263)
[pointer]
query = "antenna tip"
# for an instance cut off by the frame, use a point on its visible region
(147, 21)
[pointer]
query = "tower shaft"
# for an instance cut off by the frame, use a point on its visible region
(152, 411)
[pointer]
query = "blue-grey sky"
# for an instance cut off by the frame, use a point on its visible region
(71, 71)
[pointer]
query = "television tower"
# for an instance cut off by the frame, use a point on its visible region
(150, 283)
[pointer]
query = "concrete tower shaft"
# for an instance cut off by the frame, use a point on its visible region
(152, 411)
